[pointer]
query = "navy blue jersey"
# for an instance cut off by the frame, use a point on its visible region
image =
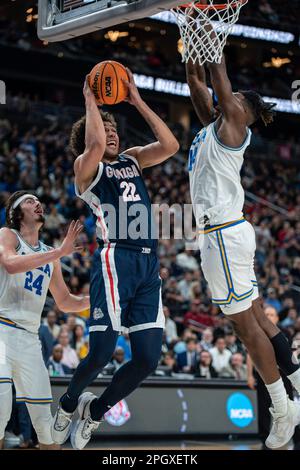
(120, 203)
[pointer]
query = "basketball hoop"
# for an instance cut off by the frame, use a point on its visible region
(204, 28)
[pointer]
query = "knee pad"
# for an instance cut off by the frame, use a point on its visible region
(41, 419)
(5, 406)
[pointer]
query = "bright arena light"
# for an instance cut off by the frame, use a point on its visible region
(162, 85)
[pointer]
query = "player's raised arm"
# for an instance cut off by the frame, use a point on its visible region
(14, 263)
(166, 145)
(90, 151)
(200, 95)
(229, 104)
(66, 301)
(231, 107)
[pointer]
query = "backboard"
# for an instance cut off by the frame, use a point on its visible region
(59, 20)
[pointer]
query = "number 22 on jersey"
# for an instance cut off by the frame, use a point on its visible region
(129, 193)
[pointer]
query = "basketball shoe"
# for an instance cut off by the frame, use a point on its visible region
(283, 427)
(83, 428)
(61, 425)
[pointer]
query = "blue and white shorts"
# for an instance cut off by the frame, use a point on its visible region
(227, 261)
(125, 289)
(21, 363)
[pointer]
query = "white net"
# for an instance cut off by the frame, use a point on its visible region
(204, 28)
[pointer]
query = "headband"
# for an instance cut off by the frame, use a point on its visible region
(21, 199)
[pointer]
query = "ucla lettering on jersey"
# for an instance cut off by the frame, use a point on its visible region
(120, 204)
(23, 295)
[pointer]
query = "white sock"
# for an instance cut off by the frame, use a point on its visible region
(295, 380)
(278, 396)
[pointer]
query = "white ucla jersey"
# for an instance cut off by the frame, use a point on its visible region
(215, 183)
(23, 295)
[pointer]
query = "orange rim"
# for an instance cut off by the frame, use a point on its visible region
(219, 6)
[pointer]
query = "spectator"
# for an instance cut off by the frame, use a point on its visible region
(187, 361)
(172, 297)
(205, 369)
(181, 345)
(186, 260)
(236, 369)
(79, 342)
(70, 358)
(185, 285)
(55, 365)
(169, 361)
(272, 299)
(50, 322)
(290, 319)
(197, 318)
(118, 358)
(207, 339)
(232, 343)
(220, 355)
(170, 327)
(123, 341)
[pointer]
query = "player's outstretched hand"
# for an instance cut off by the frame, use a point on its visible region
(68, 246)
(133, 97)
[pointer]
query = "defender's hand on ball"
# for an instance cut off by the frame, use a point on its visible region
(133, 97)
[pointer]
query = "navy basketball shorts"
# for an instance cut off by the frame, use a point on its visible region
(125, 289)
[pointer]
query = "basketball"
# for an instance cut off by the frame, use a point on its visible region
(106, 82)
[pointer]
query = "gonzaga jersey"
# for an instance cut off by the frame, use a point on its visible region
(120, 203)
(215, 183)
(23, 295)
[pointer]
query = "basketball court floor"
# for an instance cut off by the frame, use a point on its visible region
(173, 445)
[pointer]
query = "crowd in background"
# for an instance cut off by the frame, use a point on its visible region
(273, 12)
(199, 340)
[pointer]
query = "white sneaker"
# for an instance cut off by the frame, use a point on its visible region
(283, 427)
(61, 426)
(84, 426)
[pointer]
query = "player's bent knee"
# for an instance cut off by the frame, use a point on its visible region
(41, 419)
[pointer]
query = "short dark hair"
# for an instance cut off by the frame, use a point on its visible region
(260, 108)
(77, 136)
(191, 340)
(217, 338)
(15, 216)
